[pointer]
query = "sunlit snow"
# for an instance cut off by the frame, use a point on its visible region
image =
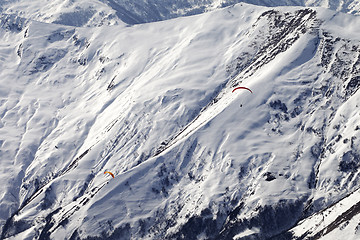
(153, 104)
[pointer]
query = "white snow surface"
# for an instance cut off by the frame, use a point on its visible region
(110, 12)
(319, 223)
(153, 104)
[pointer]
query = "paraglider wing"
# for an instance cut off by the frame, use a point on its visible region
(241, 88)
(109, 173)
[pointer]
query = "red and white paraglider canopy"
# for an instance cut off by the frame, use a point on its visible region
(241, 88)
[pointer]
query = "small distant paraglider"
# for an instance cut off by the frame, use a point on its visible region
(241, 88)
(109, 173)
(237, 88)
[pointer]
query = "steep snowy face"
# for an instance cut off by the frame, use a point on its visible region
(111, 12)
(153, 104)
(340, 219)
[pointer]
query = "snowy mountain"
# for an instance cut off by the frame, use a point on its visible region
(154, 104)
(113, 12)
(340, 219)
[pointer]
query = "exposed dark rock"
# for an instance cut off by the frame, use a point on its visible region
(349, 162)
(49, 199)
(269, 222)
(269, 176)
(12, 23)
(15, 227)
(120, 233)
(277, 104)
(44, 62)
(197, 225)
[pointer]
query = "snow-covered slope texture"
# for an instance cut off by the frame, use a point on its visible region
(153, 104)
(111, 12)
(72, 12)
(340, 219)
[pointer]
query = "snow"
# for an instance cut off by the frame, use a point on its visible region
(246, 233)
(97, 13)
(319, 221)
(342, 25)
(153, 103)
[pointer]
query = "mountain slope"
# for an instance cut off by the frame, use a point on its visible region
(153, 103)
(339, 219)
(113, 12)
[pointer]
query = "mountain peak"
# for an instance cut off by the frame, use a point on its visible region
(101, 13)
(154, 104)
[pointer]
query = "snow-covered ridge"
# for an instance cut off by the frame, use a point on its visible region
(99, 13)
(153, 103)
(340, 219)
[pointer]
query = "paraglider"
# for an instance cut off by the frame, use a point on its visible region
(241, 88)
(109, 173)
